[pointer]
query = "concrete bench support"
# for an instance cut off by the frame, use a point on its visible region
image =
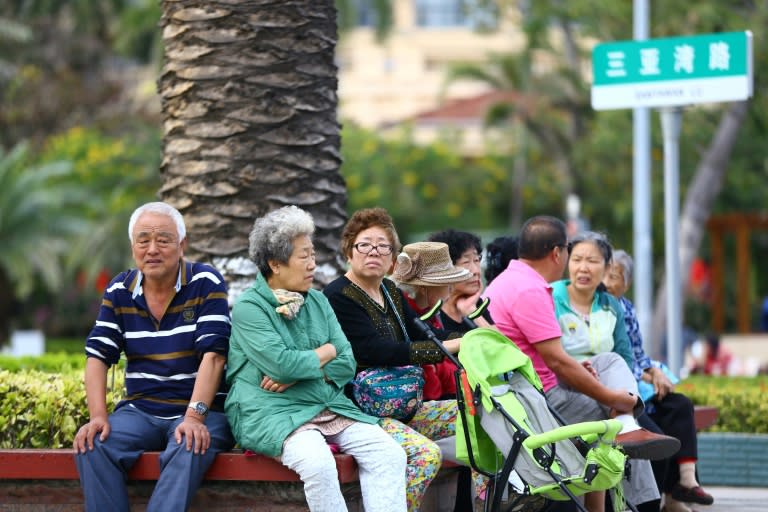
(704, 416)
(47, 481)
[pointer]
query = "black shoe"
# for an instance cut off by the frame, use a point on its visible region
(692, 495)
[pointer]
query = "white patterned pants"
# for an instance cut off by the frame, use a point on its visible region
(380, 461)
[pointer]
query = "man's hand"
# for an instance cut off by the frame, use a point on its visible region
(194, 430)
(86, 434)
(623, 402)
(268, 384)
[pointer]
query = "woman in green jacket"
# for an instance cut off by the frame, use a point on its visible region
(288, 364)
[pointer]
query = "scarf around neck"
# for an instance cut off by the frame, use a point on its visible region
(290, 302)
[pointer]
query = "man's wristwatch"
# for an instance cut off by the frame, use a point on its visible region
(199, 407)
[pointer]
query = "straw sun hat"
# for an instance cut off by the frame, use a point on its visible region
(427, 264)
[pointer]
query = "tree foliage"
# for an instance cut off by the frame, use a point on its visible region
(38, 216)
(119, 172)
(61, 59)
(432, 187)
(609, 145)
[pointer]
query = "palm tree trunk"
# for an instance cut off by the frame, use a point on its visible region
(249, 103)
(706, 185)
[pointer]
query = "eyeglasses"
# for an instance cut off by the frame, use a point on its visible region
(366, 248)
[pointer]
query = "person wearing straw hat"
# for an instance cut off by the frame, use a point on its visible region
(378, 322)
(426, 274)
(427, 264)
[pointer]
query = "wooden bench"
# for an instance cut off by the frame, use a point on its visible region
(33, 464)
(704, 416)
(45, 480)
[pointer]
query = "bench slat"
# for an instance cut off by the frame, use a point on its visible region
(705, 416)
(37, 464)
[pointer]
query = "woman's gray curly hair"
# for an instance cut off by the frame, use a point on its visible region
(272, 236)
(624, 260)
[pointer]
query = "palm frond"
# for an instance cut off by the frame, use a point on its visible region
(40, 211)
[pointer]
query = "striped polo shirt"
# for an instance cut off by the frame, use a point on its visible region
(162, 358)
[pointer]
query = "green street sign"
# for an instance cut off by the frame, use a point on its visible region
(672, 71)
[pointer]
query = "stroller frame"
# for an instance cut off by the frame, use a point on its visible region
(542, 445)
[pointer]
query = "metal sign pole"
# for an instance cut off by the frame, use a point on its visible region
(671, 121)
(641, 195)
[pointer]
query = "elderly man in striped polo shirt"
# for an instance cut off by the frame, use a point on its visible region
(171, 319)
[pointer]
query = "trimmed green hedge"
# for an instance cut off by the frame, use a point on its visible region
(49, 362)
(741, 400)
(43, 410)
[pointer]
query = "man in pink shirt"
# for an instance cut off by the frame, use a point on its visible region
(523, 310)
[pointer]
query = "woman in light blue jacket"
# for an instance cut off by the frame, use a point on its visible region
(591, 319)
(592, 323)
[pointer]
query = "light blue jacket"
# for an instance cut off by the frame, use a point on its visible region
(605, 331)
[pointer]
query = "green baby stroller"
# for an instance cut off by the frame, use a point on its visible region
(506, 426)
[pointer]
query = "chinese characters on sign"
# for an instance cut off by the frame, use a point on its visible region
(672, 71)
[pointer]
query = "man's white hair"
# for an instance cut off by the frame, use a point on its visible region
(160, 208)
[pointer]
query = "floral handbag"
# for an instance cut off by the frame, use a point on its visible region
(389, 392)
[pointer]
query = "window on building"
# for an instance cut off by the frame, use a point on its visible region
(455, 13)
(365, 13)
(440, 13)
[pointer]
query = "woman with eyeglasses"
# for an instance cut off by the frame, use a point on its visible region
(378, 322)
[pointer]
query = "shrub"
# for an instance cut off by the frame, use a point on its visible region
(43, 410)
(741, 401)
(49, 362)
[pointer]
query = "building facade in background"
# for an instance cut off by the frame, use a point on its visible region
(387, 82)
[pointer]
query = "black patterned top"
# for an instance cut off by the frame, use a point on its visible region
(374, 331)
(451, 325)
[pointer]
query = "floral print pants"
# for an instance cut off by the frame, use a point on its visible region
(434, 420)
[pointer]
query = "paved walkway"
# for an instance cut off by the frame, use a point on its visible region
(736, 499)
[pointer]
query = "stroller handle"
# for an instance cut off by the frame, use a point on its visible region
(609, 429)
(469, 320)
(421, 323)
(484, 303)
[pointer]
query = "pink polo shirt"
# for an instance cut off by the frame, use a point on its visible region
(523, 310)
